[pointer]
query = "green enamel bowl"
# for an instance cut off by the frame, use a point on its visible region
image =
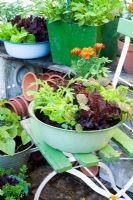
(70, 140)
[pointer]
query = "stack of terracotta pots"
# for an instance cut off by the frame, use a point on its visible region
(19, 105)
(30, 81)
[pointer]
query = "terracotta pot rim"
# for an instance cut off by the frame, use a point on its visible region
(56, 76)
(19, 107)
(121, 44)
(12, 105)
(25, 85)
(24, 106)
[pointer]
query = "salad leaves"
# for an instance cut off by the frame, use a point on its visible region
(9, 32)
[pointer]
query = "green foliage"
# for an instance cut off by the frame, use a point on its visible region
(57, 105)
(120, 97)
(8, 32)
(11, 190)
(10, 128)
(84, 12)
(9, 10)
(95, 12)
(52, 10)
(23, 172)
(92, 67)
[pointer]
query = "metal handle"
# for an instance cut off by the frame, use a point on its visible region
(35, 149)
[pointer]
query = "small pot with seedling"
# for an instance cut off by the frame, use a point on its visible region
(25, 38)
(13, 186)
(15, 144)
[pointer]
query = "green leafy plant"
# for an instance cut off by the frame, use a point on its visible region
(81, 104)
(52, 10)
(119, 96)
(85, 12)
(59, 105)
(9, 10)
(10, 129)
(88, 62)
(13, 187)
(95, 12)
(9, 32)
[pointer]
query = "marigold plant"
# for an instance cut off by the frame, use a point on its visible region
(88, 63)
(128, 14)
(131, 7)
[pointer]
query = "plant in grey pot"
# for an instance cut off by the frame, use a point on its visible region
(15, 145)
(25, 38)
(78, 116)
(13, 186)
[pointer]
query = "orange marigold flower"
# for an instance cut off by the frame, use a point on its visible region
(89, 50)
(99, 46)
(113, 197)
(84, 54)
(131, 7)
(75, 51)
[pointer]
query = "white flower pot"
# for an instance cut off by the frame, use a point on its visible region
(27, 50)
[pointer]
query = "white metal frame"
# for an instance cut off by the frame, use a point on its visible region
(100, 188)
(119, 69)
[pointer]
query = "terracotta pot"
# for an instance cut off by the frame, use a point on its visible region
(24, 106)
(128, 64)
(40, 76)
(29, 78)
(51, 82)
(24, 100)
(94, 170)
(12, 106)
(18, 105)
(46, 76)
(56, 76)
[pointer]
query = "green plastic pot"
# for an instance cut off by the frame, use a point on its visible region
(64, 37)
(69, 140)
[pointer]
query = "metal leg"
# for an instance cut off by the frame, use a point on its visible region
(121, 61)
(100, 190)
(112, 181)
(89, 182)
(42, 185)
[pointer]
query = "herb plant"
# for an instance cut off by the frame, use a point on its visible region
(88, 62)
(9, 10)
(10, 130)
(96, 12)
(84, 12)
(9, 32)
(12, 186)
